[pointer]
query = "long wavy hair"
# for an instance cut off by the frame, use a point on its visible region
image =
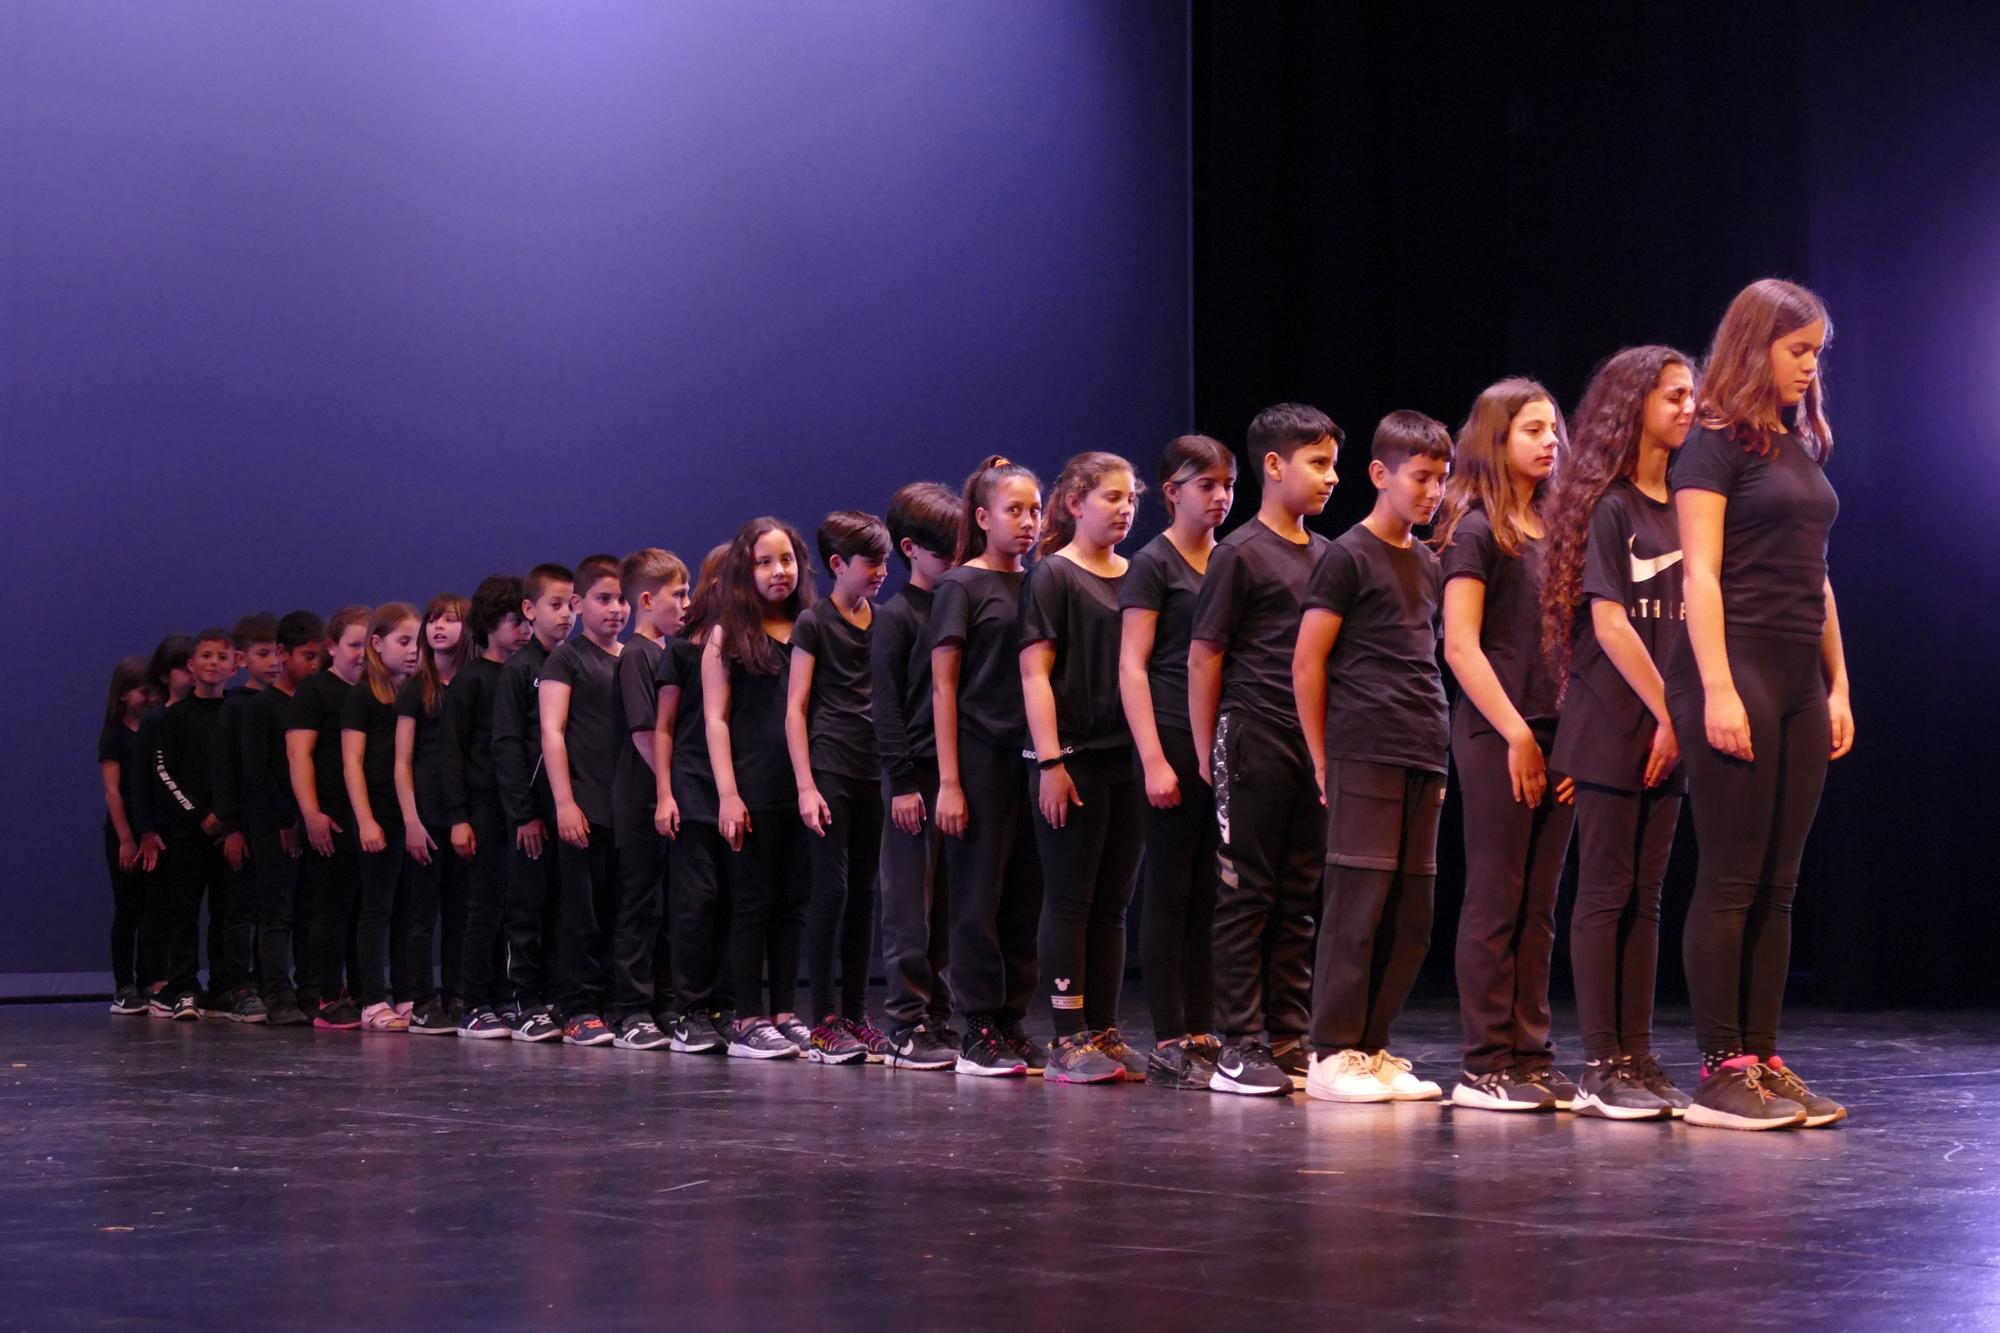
(434, 676)
(131, 673)
(1609, 425)
(1080, 476)
(740, 612)
(1479, 473)
(979, 487)
(701, 602)
(1737, 395)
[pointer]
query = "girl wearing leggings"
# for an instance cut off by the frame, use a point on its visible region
(1760, 694)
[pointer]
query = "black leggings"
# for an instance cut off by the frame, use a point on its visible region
(282, 926)
(1507, 928)
(1750, 821)
(332, 884)
(1375, 908)
(1089, 868)
(699, 866)
(1178, 918)
(770, 880)
(1623, 840)
(844, 861)
(996, 885)
(128, 913)
(481, 948)
(394, 929)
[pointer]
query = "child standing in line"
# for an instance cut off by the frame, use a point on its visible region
(433, 875)
(329, 877)
(120, 763)
(271, 825)
(232, 920)
(390, 928)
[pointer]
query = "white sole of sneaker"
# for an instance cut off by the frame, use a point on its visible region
(589, 1041)
(1709, 1118)
(1474, 1100)
(535, 1041)
(624, 1045)
(1353, 1098)
(1822, 1121)
(1430, 1092)
(1221, 1082)
(689, 1048)
(1587, 1105)
(820, 1057)
(741, 1052)
(500, 1034)
(933, 1066)
(416, 1031)
(975, 1070)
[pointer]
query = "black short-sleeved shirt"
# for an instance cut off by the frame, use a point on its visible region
(1065, 604)
(633, 710)
(427, 755)
(119, 744)
(1250, 605)
(979, 611)
(590, 737)
(1510, 632)
(268, 803)
(361, 711)
(839, 730)
(1162, 581)
(899, 659)
(1384, 693)
(757, 748)
(692, 777)
(1774, 530)
(1632, 557)
(316, 707)
(516, 736)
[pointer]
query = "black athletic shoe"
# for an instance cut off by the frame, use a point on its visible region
(128, 1001)
(985, 1054)
(1733, 1095)
(1033, 1058)
(1561, 1087)
(695, 1034)
(283, 1015)
(1178, 1065)
(915, 1048)
(1501, 1090)
(433, 1018)
(340, 1016)
(1780, 1078)
(638, 1032)
(1612, 1090)
(1655, 1078)
(187, 1008)
(1294, 1056)
(1247, 1067)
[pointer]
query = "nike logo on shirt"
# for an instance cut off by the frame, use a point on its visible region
(1648, 567)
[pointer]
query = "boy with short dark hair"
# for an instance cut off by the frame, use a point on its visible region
(1371, 699)
(576, 690)
(232, 913)
(548, 604)
(924, 519)
(1248, 742)
(270, 823)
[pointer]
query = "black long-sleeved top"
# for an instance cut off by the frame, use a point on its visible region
(177, 791)
(268, 805)
(225, 764)
(900, 667)
(517, 737)
(467, 758)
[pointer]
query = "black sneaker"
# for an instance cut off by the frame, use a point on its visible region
(986, 1054)
(638, 1033)
(1501, 1090)
(212, 1004)
(1655, 1078)
(694, 1034)
(1247, 1067)
(1033, 1058)
(760, 1039)
(1733, 1095)
(1612, 1090)
(1077, 1059)
(247, 1006)
(915, 1048)
(1294, 1056)
(537, 1025)
(285, 1015)
(1560, 1086)
(432, 1018)
(186, 1008)
(128, 1001)
(1780, 1078)
(1178, 1065)
(340, 1016)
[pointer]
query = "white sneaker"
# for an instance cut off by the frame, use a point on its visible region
(1346, 1077)
(1394, 1074)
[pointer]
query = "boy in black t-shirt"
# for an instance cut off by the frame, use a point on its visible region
(270, 820)
(1371, 698)
(232, 916)
(1247, 737)
(577, 690)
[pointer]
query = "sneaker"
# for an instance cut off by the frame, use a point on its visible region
(759, 1039)
(382, 1017)
(1129, 1061)
(1560, 1086)
(1656, 1081)
(874, 1038)
(1077, 1059)
(1032, 1057)
(536, 1025)
(406, 1008)
(128, 1001)
(1294, 1055)
(1613, 1090)
(694, 1034)
(639, 1033)
(1179, 1065)
(248, 1007)
(286, 1015)
(1206, 1045)
(1398, 1076)
(160, 1006)
(212, 1004)
(795, 1032)
(1820, 1111)
(1501, 1090)
(483, 1024)
(915, 1048)
(1247, 1067)
(985, 1053)
(587, 1030)
(432, 1018)
(834, 1042)
(340, 1016)
(1733, 1095)
(187, 1009)
(1348, 1076)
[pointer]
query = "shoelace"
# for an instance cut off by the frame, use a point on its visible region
(1113, 1045)
(1393, 1066)
(1786, 1081)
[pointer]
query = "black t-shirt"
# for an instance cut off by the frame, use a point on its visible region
(979, 611)
(840, 734)
(268, 803)
(1510, 632)
(1250, 605)
(316, 707)
(225, 755)
(692, 777)
(427, 756)
(633, 709)
(517, 736)
(1065, 604)
(1774, 530)
(757, 734)
(899, 659)
(1384, 692)
(361, 711)
(1632, 557)
(467, 750)
(590, 736)
(1162, 581)
(119, 744)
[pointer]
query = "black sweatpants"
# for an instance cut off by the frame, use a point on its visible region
(332, 884)
(128, 915)
(482, 949)
(451, 890)
(1507, 928)
(283, 928)
(916, 914)
(396, 926)
(770, 882)
(585, 915)
(1270, 864)
(1623, 841)
(189, 869)
(534, 892)
(232, 930)
(699, 899)
(842, 910)
(1177, 918)
(1089, 868)
(996, 885)
(635, 934)
(1750, 822)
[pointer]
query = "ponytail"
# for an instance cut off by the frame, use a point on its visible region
(1080, 476)
(978, 488)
